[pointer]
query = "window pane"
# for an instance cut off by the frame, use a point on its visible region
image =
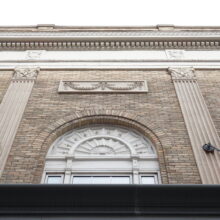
(120, 180)
(82, 180)
(54, 179)
(101, 180)
(148, 180)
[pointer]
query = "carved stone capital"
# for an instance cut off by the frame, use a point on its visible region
(25, 73)
(182, 73)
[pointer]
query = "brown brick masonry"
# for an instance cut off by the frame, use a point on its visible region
(48, 115)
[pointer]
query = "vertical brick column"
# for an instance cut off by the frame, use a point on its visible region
(199, 123)
(12, 108)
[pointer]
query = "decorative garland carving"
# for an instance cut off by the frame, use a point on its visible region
(80, 86)
(182, 73)
(102, 86)
(25, 73)
(34, 54)
(175, 54)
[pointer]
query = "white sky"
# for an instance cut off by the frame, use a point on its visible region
(110, 12)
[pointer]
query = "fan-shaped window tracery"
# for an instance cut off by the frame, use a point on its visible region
(101, 154)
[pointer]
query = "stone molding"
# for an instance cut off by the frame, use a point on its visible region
(25, 73)
(108, 40)
(103, 86)
(182, 73)
(98, 44)
(107, 33)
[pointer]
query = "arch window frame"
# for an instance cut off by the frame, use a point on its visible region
(64, 165)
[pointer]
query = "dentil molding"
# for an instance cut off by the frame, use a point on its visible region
(106, 39)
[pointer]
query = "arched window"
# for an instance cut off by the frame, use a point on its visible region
(102, 154)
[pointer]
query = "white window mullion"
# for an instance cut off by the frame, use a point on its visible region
(67, 177)
(136, 177)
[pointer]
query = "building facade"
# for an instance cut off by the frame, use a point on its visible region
(107, 105)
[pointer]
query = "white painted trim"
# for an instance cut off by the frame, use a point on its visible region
(110, 65)
(42, 56)
(106, 34)
(148, 59)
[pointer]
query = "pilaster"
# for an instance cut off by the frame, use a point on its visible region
(12, 108)
(199, 123)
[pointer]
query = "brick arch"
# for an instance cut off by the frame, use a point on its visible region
(78, 119)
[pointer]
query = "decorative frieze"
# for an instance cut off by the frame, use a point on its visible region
(199, 123)
(103, 86)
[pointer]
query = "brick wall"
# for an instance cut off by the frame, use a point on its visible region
(209, 83)
(158, 110)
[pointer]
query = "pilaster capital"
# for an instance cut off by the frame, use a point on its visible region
(182, 73)
(25, 73)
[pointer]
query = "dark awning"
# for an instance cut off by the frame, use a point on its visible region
(110, 200)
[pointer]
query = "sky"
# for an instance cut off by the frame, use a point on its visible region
(110, 12)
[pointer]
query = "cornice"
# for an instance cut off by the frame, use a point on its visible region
(108, 40)
(111, 34)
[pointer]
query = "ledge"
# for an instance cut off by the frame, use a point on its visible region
(132, 200)
(51, 37)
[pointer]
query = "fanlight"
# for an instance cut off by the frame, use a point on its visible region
(102, 140)
(101, 154)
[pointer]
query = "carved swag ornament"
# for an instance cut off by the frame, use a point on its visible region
(103, 86)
